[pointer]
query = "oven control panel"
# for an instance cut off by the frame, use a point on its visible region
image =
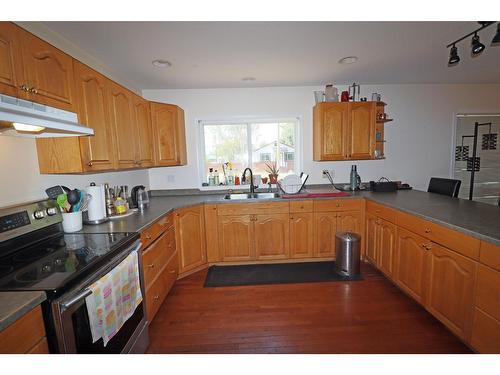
(24, 218)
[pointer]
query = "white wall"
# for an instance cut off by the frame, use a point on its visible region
(418, 144)
(20, 180)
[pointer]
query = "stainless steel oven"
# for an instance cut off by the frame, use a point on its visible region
(71, 321)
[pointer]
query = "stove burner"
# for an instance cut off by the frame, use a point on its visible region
(30, 255)
(5, 270)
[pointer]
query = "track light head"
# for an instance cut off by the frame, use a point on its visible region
(496, 38)
(454, 58)
(477, 46)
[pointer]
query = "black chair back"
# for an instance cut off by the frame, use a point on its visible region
(444, 186)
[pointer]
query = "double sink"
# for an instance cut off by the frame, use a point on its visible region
(245, 196)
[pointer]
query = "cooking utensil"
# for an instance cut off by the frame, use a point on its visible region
(54, 191)
(73, 198)
(62, 202)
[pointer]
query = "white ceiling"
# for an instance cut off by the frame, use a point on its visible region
(220, 54)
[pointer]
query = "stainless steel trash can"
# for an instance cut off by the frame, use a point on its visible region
(348, 253)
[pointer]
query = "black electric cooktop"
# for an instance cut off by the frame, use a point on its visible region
(54, 263)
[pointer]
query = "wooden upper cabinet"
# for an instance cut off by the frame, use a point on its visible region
(236, 238)
(142, 119)
(169, 134)
(410, 263)
(361, 133)
(272, 236)
(450, 288)
(344, 131)
(124, 127)
(301, 235)
(190, 238)
(10, 59)
(48, 73)
(330, 122)
(91, 92)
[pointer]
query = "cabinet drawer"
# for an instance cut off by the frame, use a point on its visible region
(157, 254)
(488, 291)
(453, 240)
(485, 333)
(42, 347)
(338, 205)
(157, 292)
(158, 227)
(24, 334)
(381, 211)
(301, 206)
(490, 255)
(253, 208)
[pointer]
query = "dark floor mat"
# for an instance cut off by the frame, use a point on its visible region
(276, 273)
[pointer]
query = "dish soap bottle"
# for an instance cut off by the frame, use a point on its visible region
(211, 177)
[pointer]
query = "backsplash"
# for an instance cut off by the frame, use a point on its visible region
(21, 181)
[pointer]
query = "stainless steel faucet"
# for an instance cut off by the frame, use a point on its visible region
(243, 179)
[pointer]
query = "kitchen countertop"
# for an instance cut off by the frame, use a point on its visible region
(472, 218)
(14, 305)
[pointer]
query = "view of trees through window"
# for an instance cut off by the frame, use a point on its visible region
(250, 144)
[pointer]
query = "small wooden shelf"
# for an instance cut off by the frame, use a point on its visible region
(385, 120)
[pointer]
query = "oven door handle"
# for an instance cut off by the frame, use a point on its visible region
(75, 299)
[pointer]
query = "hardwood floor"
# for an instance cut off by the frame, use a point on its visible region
(368, 316)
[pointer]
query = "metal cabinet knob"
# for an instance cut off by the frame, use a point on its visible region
(151, 265)
(90, 164)
(172, 271)
(24, 88)
(427, 230)
(33, 90)
(156, 298)
(147, 236)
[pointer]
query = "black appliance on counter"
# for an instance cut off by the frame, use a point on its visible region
(36, 255)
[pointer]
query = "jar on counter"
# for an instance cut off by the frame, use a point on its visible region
(331, 94)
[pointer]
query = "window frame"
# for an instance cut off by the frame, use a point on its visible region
(245, 121)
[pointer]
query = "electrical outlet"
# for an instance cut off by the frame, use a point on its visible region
(324, 173)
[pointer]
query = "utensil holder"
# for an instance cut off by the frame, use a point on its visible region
(72, 221)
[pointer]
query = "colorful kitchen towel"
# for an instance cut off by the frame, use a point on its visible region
(114, 299)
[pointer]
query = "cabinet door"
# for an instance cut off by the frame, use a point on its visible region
(301, 235)
(190, 238)
(48, 72)
(91, 93)
(124, 129)
(236, 238)
(349, 221)
(330, 126)
(142, 118)
(410, 263)
(361, 133)
(386, 247)
(169, 135)
(450, 287)
(371, 238)
(272, 236)
(325, 228)
(10, 59)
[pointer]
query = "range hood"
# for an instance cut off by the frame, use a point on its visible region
(35, 120)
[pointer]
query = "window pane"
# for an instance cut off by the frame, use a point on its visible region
(225, 143)
(264, 147)
(287, 148)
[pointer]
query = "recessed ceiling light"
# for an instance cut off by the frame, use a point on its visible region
(348, 60)
(159, 63)
(248, 79)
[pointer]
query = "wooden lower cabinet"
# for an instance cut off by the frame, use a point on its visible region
(272, 236)
(190, 238)
(301, 235)
(159, 288)
(325, 228)
(485, 333)
(236, 238)
(450, 281)
(410, 263)
(25, 335)
(371, 238)
(386, 247)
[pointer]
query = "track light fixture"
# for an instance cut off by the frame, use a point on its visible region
(477, 46)
(454, 58)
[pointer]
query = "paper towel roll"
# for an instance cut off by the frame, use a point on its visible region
(97, 205)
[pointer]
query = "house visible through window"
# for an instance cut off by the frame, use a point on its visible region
(249, 144)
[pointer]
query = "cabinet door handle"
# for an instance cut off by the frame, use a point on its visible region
(427, 230)
(152, 265)
(156, 298)
(172, 271)
(24, 88)
(33, 90)
(90, 163)
(147, 236)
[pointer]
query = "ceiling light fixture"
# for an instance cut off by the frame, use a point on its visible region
(477, 46)
(248, 79)
(160, 63)
(348, 60)
(454, 58)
